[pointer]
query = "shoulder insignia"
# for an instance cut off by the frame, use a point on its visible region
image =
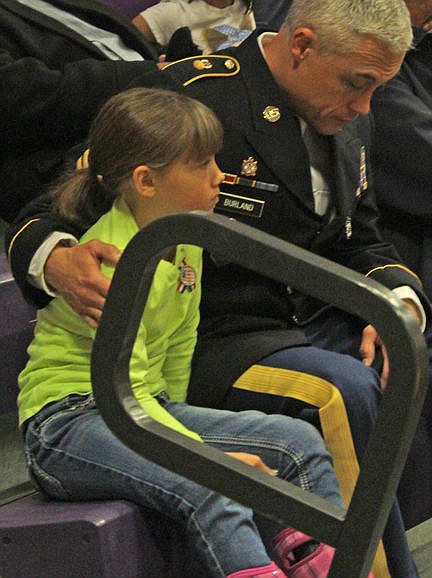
(193, 68)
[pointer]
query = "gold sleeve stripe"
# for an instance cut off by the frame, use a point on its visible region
(395, 266)
(81, 163)
(17, 234)
(334, 423)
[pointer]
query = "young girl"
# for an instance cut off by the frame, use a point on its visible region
(152, 154)
(213, 24)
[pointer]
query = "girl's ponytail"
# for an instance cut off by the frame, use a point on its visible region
(81, 198)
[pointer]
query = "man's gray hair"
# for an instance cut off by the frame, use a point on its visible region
(341, 24)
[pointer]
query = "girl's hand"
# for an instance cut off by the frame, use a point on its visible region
(252, 460)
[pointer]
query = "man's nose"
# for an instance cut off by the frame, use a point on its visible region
(361, 104)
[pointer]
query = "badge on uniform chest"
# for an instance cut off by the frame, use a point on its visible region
(362, 187)
(363, 184)
(249, 167)
(240, 205)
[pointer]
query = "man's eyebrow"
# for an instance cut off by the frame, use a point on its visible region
(366, 76)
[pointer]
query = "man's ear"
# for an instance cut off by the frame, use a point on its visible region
(304, 40)
(142, 178)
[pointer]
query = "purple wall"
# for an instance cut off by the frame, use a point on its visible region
(129, 8)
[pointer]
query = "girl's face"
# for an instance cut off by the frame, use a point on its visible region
(188, 185)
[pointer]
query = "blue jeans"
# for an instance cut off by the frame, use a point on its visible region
(72, 455)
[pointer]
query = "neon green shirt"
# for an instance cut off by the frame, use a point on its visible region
(59, 363)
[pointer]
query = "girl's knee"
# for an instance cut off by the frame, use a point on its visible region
(298, 433)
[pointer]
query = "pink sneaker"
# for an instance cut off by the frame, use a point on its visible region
(271, 571)
(316, 565)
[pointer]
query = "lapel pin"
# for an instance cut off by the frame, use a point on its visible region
(249, 167)
(271, 113)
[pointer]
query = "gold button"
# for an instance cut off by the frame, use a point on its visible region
(202, 64)
(272, 113)
(229, 64)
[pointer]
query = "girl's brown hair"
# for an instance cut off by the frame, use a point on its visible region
(140, 126)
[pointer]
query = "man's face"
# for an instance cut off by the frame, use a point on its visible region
(329, 91)
(420, 11)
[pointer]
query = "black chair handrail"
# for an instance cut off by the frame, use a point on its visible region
(356, 531)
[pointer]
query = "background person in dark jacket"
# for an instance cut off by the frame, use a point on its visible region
(59, 62)
(403, 151)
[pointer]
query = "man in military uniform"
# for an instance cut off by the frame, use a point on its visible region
(269, 143)
(294, 106)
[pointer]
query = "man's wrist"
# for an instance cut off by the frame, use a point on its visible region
(36, 275)
(65, 243)
(409, 295)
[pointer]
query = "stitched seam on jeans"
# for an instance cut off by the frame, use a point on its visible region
(248, 441)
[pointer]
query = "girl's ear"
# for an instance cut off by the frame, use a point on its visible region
(143, 181)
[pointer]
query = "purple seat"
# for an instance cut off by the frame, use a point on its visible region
(16, 329)
(17, 320)
(44, 538)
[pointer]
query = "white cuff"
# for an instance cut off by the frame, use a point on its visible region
(405, 292)
(35, 274)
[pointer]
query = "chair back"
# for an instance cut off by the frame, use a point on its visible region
(354, 532)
